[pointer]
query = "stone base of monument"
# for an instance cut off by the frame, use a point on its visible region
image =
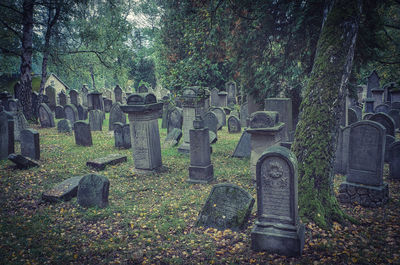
(141, 171)
(278, 238)
(201, 175)
(365, 195)
(184, 148)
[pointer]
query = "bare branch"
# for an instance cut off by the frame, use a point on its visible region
(11, 29)
(392, 26)
(11, 8)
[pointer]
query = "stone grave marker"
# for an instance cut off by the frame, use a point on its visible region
(50, 92)
(244, 114)
(126, 131)
(395, 95)
(64, 126)
(83, 135)
(71, 113)
(118, 94)
(93, 191)
(211, 121)
(74, 97)
(102, 162)
(82, 112)
(395, 115)
(118, 135)
(386, 121)
(96, 120)
(367, 116)
(214, 97)
(13, 105)
(173, 137)
(175, 119)
(20, 123)
(62, 98)
(142, 89)
(394, 163)
(6, 134)
(284, 107)
(22, 162)
(351, 116)
(85, 92)
(30, 144)
(385, 108)
(222, 99)
(95, 101)
(243, 147)
(46, 117)
(396, 105)
(59, 112)
(220, 113)
(116, 115)
(389, 140)
(230, 88)
(278, 228)
(227, 207)
(107, 105)
(63, 191)
(234, 125)
(165, 111)
(342, 151)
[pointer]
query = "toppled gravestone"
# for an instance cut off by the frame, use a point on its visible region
(64, 191)
(102, 162)
(22, 162)
(93, 191)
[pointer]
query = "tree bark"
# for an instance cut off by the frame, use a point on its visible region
(24, 94)
(316, 133)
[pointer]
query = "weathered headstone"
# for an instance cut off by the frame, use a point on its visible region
(142, 89)
(396, 105)
(214, 97)
(227, 207)
(364, 179)
(394, 163)
(142, 112)
(220, 113)
(83, 135)
(102, 162)
(126, 131)
(386, 121)
(211, 121)
(230, 88)
(74, 97)
(116, 115)
(93, 191)
(46, 117)
(200, 170)
(35, 103)
(173, 137)
(63, 191)
(351, 116)
(107, 104)
(243, 147)
(85, 92)
(82, 112)
(64, 126)
(71, 113)
(395, 115)
(244, 114)
(96, 120)
(382, 108)
(222, 99)
(22, 162)
(277, 229)
(367, 116)
(20, 123)
(118, 135)
(175, 119)
(62, 98)
(6, 134)
(50, 92)
(30, 144)
(377, 95)
(118, 94)
(59, 112)
(342, 151)
(95, 101)
(395, 95)
(234, 125)
(389, 140)
(13, 105)
(284, 107)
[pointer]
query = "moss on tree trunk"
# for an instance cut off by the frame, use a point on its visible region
(316, 133)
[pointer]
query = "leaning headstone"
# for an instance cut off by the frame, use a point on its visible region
(82, 112)
(102, 162)
(64, 126)
(118, 94)
(394, 163)
(59, 112)
(71, 113)
(386, 121)
(46, 117)
(96, 120)
(173, 137)
(389, 140)
(30, 145)
(63, 191)
(351, 116)
(20, 123)
(385, 108)
(234, 125)
(243, 147)
(6, 134)
(342, 151)
(364, 179)
(211, 121)
(284, 107)
(200, 170)
(278, 228)
(74, 97)
(116, 115)
(244, 114)
(220, 113)
(227, 207)
(175, 119)
(93, 191)
(22, 162)
(395, 115)
(143, 112)
(83, 135)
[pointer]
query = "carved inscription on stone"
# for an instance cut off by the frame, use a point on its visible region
(364, 145)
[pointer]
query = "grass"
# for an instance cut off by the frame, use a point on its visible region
(151, 218)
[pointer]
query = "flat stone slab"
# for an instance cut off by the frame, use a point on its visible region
(64, 191)
(22, 162)
(102, 162)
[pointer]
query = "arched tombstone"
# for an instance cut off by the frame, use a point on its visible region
(351, 116)
(116, 115)
(368, 115)
(385, 108)
(175, 119)
(82, 112)
(50, 91)
(394, 163)
(278, 228)
(214, 97)
(62, 98)
(395, 115)
(396, 105)
(71, 113)
(46, 117)
(211, 121)
(234, 125)
(220, 113)
(74, 97)
(386, 121)
(59, 112)
(389, 140)
(358, 111)
(118, 94)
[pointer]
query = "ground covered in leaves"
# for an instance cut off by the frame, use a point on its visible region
(151, 219)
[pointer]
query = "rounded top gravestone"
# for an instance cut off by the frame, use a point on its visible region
(382, 108)
(211, 121)
(386, 121)
(234, 125)
(93, 191)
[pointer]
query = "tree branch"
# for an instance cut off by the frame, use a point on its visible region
(5, 50)
(392, 26)
(11, 8)
(11, 29)
(383, 62)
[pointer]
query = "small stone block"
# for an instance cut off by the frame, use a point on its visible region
(201, 175)
(22, 162)
(102, 162)
(64, 191)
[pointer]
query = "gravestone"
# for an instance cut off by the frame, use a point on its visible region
(143, 112)
(13, 105)
(107, 104)
(395, 95)
(342, 151)
(46, 117)
(367, 116)
(244, 114)
(372, 83)
(6, 134)
(93, 191)
(220, 113)
(173, 137)
(83, 112)
(396, 105)
(389, 140)
(230, 88)
(243, 147)
(71, 113)
(175, 119)
(83, 135)
(211, 121)
(142, 89)
(266, 131)
(30, 144)
(394, 163)
(395, 115)
(118, 135)
(351, 116)
(200, 170)
(284, 107)
(222, 99)
(385, 108)
(20, 123)
(116, 115)
(126, 131)
(214, 97)
(64, 126)
(62, 98)
(253, 105)
(22, 162)
(50, 92)
(227, 207)
(118, 94)
(377, 95)
(96, 120)
(63, 191)
(234, 125)
(35, 104)
(386, 121)
(165, 111)
(364, 179)
(85, 92)
(102, 162)
(59, 112)
(278, 228)
(74, 97)
(95, 101)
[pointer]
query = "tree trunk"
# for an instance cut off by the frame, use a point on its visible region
(24, 94)
(316, 133)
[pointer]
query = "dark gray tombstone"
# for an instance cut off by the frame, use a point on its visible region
(50, 92)
(377, 95)
(22, 162)
(367, 116)
(244, 114)
(95, 101)
(30, 145)
(59, 112)
(6, 134)
(389, 140)
(385, 108)
(394, 164)
(214, 97)
(175, 119)
(96, 120)
(165, 110)
(46, 117)
(222, 99)
(211, 121)
(85, 92)
(234, 125)
(83, 135)
(200, 170)
(74, 97)
(386, 121)
(173, 137)
(64, 126)
(243, 147)
(63, 191)
(20, 123)
(372, 83)
(107, 104)
(71, 113)
(101, 162)
(284, 107)
(395, 95)
(35, 104)
(395, 115)
(342, 151)
(82, 112)
(93, 191)
(116, 115)
(227, 207)
(118, 94)
(396, 105)
(126, 131)
(358, 111)
(278, 228)
(118, 135)
(351, 116)
(220, 113)
(364, 179)
(230, 88)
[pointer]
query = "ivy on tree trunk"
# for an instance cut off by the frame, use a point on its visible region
(316, 133)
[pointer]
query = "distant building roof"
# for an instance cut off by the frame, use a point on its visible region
(52, 74)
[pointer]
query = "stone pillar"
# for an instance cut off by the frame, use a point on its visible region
(201, 169)
(165, 101)
(266, 131)
(143, 111)
(284, 107)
